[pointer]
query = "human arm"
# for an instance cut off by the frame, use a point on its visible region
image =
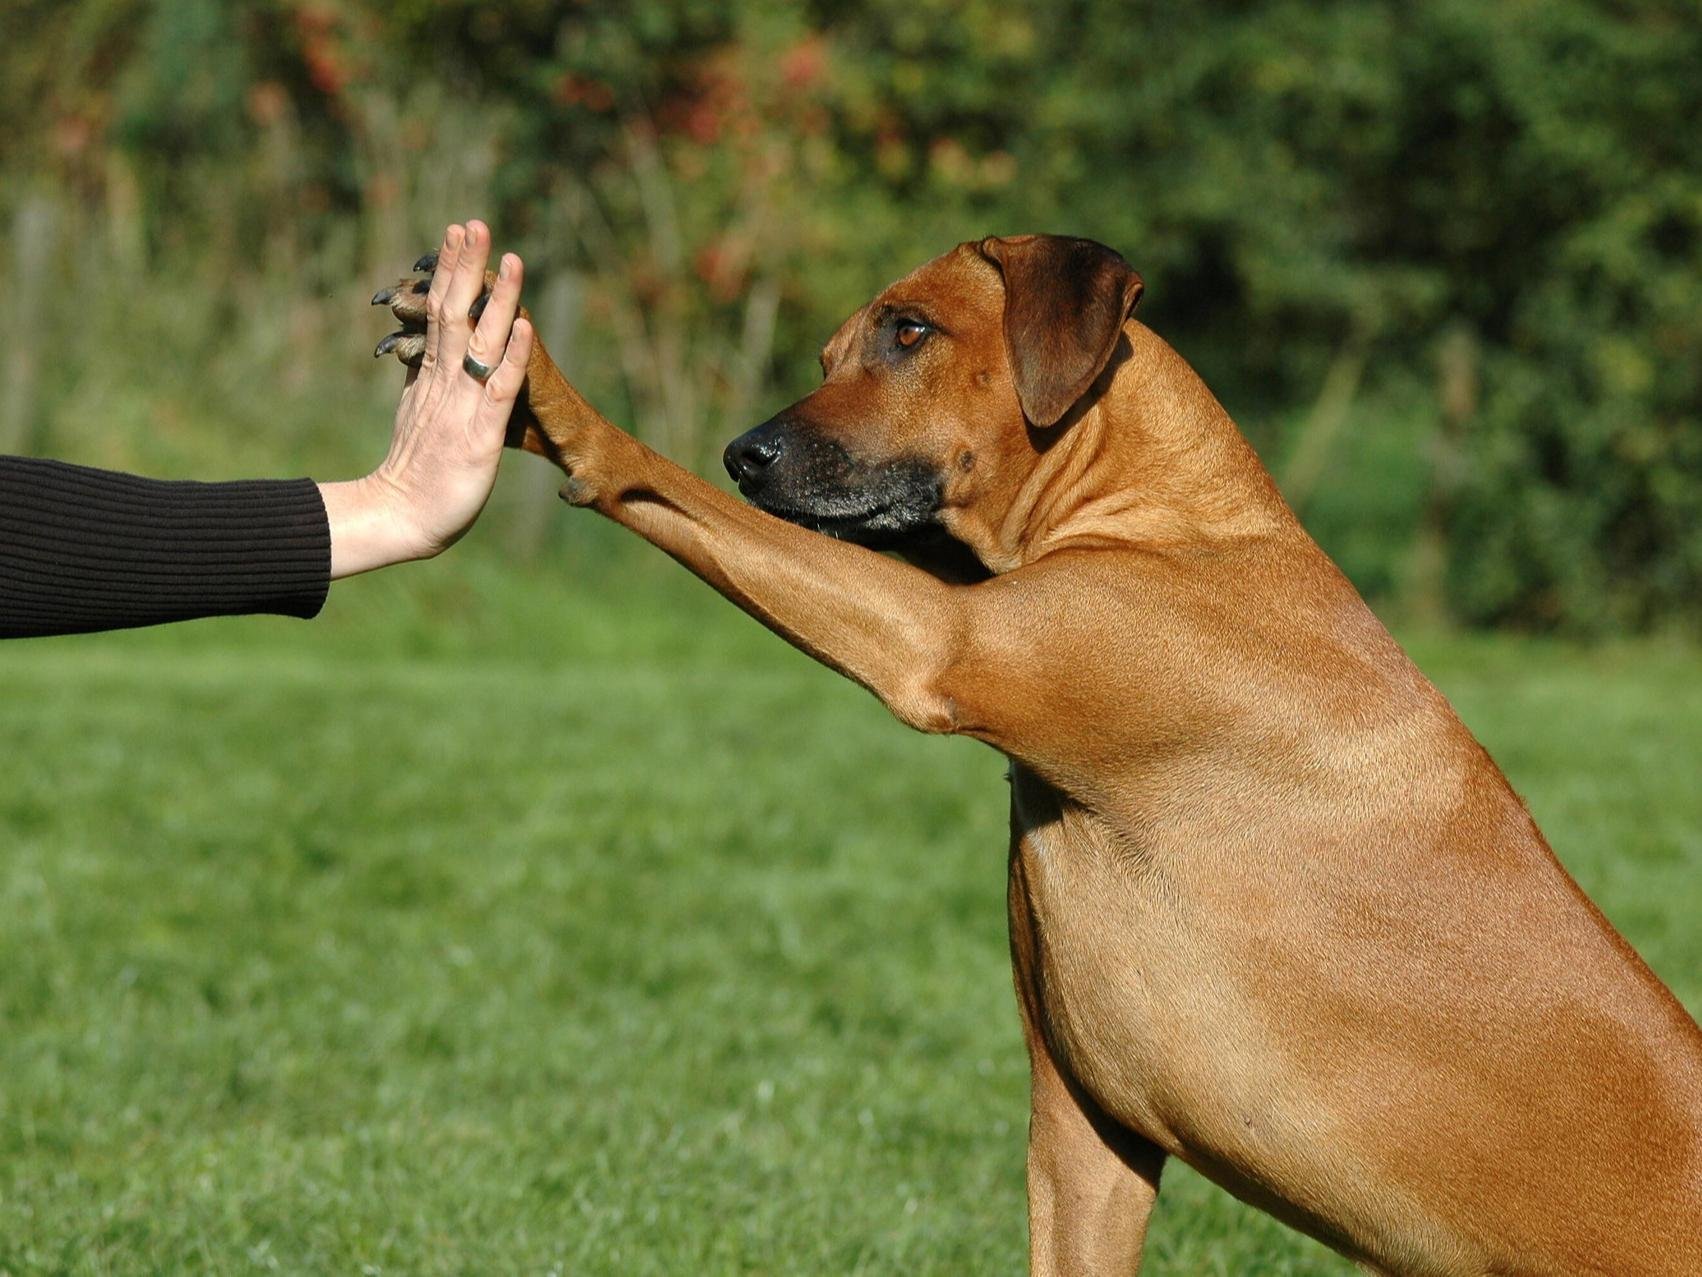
(84, 549)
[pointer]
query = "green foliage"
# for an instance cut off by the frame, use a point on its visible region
(498, 924)
(1482, 223)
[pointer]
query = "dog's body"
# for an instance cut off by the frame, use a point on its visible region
(1273, 910)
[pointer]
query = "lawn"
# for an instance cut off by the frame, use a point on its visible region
(570, 923)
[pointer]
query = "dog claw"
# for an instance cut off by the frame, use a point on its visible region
(404, 298)
(407, 346)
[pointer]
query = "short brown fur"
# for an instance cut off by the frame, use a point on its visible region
(1273, 909)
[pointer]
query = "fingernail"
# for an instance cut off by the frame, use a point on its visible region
(505, 269)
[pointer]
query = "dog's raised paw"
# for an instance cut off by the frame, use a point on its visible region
(406, 299)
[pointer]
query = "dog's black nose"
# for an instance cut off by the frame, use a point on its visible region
(752, 453)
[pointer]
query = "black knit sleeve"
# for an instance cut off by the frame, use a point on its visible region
(84, 549)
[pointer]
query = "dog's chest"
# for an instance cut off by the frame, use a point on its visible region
(1088, 950)
(1111, 955)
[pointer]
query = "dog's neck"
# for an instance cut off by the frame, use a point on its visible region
(1149, 458)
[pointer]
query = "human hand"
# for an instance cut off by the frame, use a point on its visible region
(448, 436)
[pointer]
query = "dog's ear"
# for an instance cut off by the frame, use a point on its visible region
(1066, 301)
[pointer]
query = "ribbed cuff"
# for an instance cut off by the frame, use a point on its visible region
(84, 549)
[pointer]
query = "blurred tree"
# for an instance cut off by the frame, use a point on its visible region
(1330, 203)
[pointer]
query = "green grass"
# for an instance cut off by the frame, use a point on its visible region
(523, 925)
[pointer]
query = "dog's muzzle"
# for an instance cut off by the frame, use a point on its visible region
(792, 470)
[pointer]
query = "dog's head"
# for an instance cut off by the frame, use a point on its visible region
(940, 393)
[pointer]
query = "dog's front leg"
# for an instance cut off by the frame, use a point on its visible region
(1091, 1187)
(889, 626)
(1091, 1182)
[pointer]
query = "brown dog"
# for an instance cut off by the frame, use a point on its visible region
(1273, 909)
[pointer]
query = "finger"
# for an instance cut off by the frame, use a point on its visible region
(503, 388)
(447, 256)
(465, 283)
(491, 335)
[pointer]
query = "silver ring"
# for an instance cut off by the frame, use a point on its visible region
(476, 370)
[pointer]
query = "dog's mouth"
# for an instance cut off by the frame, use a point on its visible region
(887, 515)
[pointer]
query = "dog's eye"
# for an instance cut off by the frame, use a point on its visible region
(910, 332)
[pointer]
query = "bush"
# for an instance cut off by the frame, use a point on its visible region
(1475, 227)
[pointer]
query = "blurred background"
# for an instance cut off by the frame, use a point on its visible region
(532, 910)
(1443, 262)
